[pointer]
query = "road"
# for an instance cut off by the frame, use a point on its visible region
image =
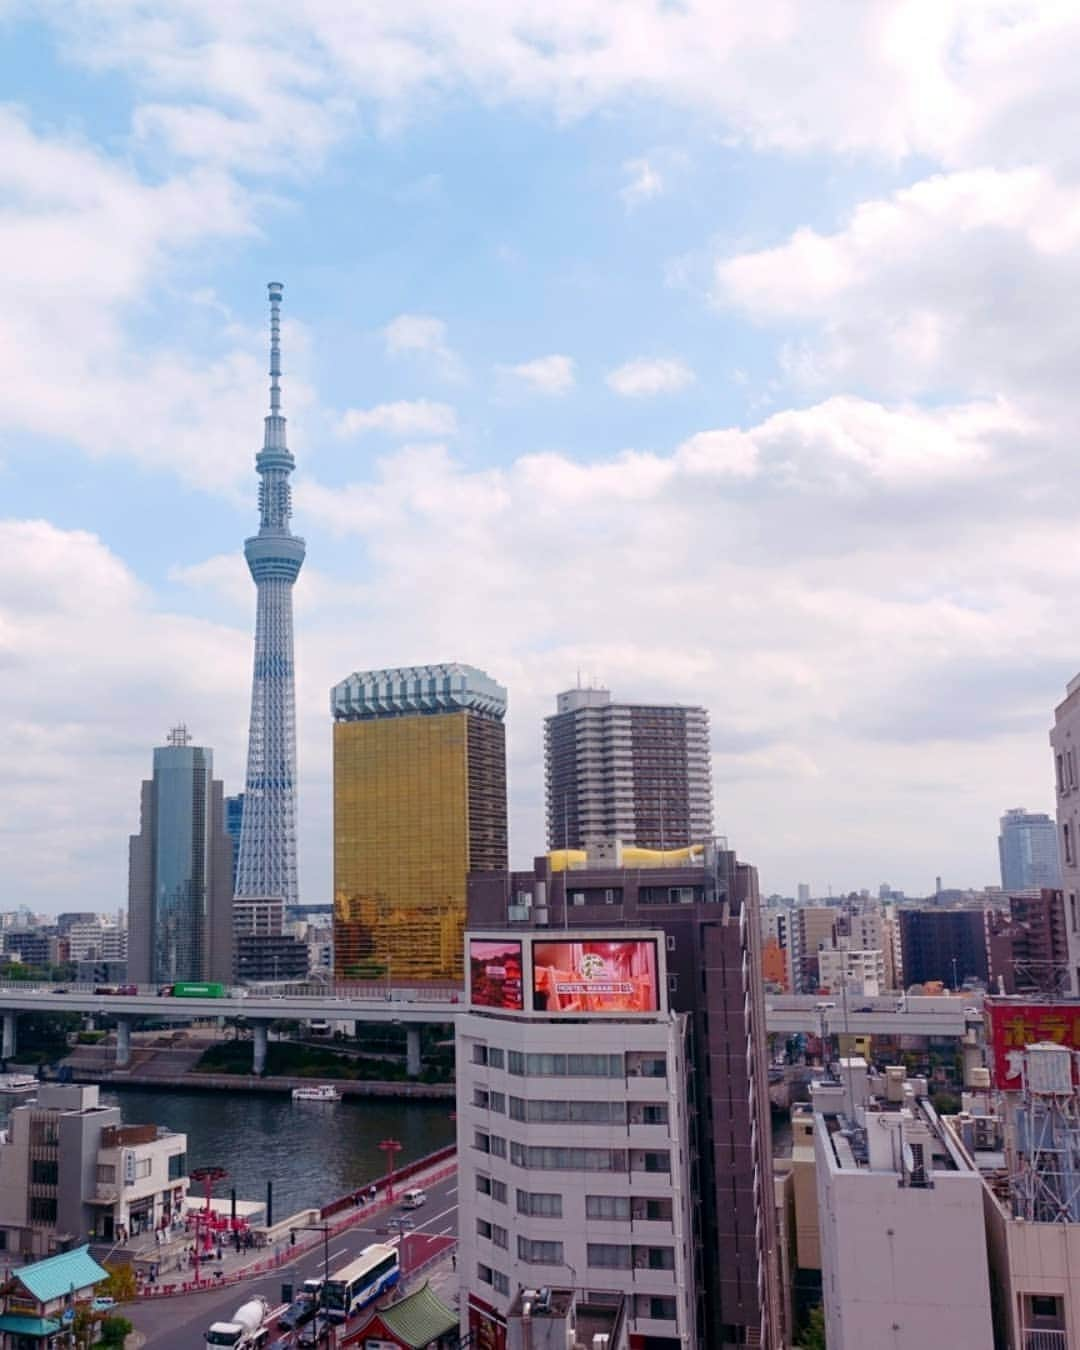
(179, 1323)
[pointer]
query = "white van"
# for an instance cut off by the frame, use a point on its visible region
(413, 1199)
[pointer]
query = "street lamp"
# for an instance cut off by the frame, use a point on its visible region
(324, 1229)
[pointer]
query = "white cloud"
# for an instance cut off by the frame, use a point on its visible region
(643, 183)
(644, 377)
(423, 335)
(546, 374)
(962, 281)
(402, 419)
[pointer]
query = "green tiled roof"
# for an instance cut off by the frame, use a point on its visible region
(420, 1318)
(59, 1275)
(28, 1326)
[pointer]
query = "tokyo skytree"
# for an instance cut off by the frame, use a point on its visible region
(266, 866)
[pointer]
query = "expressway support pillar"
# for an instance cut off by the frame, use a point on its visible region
(412, 1051)
(10, 1043)
(260, 1030)
(123, 1042)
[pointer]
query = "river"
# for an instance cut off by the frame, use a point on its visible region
(311, 1151)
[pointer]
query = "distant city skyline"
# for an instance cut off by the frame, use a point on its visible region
(604, 355)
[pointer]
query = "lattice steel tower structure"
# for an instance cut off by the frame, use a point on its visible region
(267, 861)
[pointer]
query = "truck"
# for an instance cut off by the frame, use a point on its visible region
(247, 1330)
(192, 989)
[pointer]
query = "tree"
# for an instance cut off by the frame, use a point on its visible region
(813, 1337)
(121, 1284)
(114, 1331)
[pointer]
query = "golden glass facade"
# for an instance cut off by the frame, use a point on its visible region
(410, 821)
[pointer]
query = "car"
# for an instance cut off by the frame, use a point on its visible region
(314, 1332)
(103, 1304)
(298, 1314)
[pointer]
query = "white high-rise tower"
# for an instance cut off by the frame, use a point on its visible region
(267, 863)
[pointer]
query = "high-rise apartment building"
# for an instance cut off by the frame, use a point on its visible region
(947, 945)
(705, 915)
(1028, 851)
(419, 803)
(1065, 744)
(1027, 945)
(180, 871)
(637, 772)
(266, 865)
(813, 929)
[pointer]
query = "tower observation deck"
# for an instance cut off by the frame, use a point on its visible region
(266, 865)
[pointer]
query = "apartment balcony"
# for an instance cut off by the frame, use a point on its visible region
(1044, 1340)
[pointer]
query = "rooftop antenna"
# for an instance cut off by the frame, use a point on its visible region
(178, 736)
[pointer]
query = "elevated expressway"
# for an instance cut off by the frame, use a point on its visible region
(786, 1014)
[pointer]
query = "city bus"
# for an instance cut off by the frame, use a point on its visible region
(373, 1272)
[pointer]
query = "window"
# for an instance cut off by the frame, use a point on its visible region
(42, 1209)
(1066, 832)
(656, 1162)
(566, 1066)
(1044, 1305)
(670, 943)
(495, 1057)
(500, 1282)
(539, 1252)
(607, 1207)
(517, 1108)
(482, 1141)
(498, 1102)
(498, 1146)
(540, 1204)
(479, 1054)
(568, 1159)
(1072, 911)
(499, 1236)
(498, 1191)
(608, 1255)
(673, 984)
(107, 1172)
(655, 1211)
(644, 1064)
(654, 1258)
(143, 1168)
(483, 1183)
(177, 1166)
(577, 1113)
(481, 1097)
(43, 1172)
(656, 1307)
(483, 1273)
(483, 1228)
(1060, 765)
(651, 1113)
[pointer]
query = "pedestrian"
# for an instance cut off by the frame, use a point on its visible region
(372, 1192)
(453, 1259)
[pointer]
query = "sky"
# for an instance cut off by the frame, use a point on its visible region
(716, 353)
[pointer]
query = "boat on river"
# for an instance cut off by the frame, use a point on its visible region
(318, 1092)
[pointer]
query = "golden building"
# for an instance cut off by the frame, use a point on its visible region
(419, 802)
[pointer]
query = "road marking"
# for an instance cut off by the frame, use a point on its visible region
(452, 1191)
(444, 1231)
(333, 1256)
(437, 1217)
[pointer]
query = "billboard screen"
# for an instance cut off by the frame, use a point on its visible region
(595, 977)
(495, 974)
(1010, 1026)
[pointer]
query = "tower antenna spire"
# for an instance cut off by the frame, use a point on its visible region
(275, 289)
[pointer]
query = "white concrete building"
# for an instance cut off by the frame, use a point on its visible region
(861, 972)
(1065, 743)
(573, 1158)
(70, 1167)
(903, 1249)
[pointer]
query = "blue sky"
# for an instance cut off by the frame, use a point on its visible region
(721, 355)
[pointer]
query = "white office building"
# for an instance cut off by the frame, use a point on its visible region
(572, 1111)
(900, 1207)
